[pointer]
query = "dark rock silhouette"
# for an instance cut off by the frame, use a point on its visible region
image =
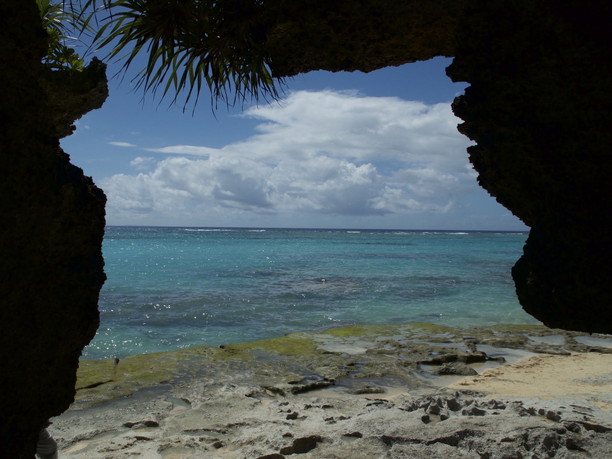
(51, 227)
(538, 108)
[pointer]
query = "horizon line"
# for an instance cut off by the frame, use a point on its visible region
(318, 228)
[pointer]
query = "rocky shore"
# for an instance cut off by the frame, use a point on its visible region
(400, 391)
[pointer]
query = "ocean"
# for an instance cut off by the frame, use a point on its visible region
(172, 288)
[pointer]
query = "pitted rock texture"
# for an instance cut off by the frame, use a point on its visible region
(306, 35)
(71, 94)
(539, 108)
(51, 227)
(239, 401)
(226, 424)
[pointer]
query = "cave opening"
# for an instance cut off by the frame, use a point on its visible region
(539, 116)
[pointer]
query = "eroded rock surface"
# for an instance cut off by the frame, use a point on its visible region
(308, 35)
(357, 358)
(362, 394)
(51, 227)
(539, 108)
(230, 425)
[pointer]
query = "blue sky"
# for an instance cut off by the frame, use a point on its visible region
(338, 150)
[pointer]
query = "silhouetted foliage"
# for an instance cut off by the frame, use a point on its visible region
(188, 44)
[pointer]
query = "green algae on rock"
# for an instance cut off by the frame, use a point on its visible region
(102, 380)
(410, 355)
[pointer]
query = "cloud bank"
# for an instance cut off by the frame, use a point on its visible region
(312, 153)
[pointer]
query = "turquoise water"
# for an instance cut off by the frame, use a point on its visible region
(170, 288)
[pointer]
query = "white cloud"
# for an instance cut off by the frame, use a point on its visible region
(122, 144)
(141, 163)
(333, 153)
(185, 150)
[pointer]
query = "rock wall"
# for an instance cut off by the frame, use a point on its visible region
(365, 35)
(538, 106)
(51, 228)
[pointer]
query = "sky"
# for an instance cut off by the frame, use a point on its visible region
(338, 150)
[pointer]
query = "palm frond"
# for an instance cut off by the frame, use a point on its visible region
(188, 44)
(61, 22)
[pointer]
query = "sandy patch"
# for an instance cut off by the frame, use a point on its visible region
(545, 376)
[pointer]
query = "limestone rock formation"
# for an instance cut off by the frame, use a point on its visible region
(344, 35)
(51, 228)
(538, 106)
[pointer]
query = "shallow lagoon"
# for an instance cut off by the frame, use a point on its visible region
(172, 288)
